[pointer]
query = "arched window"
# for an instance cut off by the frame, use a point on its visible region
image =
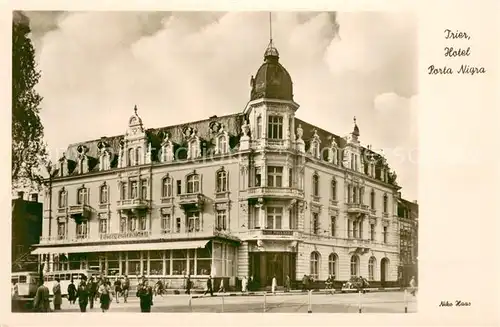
(166, 189)
(371, 268)
(372, 199)
(103, 194)
(82, 196)
(130, 157)
(62, 198)
(385, 202)
(221, 181)
(332, 265)
(193, 183)
(315, 184)
(138, 154)
(222, 144)
(354, 266)
(315, 258)
(334, 189)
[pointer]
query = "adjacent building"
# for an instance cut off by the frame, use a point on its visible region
(256, 193)
(27, 216)
(408, 240)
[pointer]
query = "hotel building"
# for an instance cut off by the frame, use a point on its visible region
(257, 193)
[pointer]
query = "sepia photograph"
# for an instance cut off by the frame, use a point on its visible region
(214, 162)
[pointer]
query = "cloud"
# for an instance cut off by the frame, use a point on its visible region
(178, 67)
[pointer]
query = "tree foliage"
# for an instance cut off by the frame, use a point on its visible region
(29, 152)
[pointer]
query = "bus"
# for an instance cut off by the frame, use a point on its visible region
(27, 283)
(65, 277)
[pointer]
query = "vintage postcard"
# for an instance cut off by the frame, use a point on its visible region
(197, 162)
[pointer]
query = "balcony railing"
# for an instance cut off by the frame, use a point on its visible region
(282, 192)
(132, 204)
(357, 208)
(191, 200)
(82, 210)
(277, 232)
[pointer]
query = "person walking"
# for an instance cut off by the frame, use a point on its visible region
(244, 284)
(92, 288)
(42, 298)
(145, 294)
(14, 293)
(222, 289)
(288, 283)
(82, 293)
(71, 292)
(413, 286)
(105, 295)
(188, 284)
(118, 289)
(305, 281)
(126, 287)
(56, 290)
(209, 287)
(274, 285)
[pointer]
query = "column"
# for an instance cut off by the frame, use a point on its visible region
(148, 264)
(120, 263)
(141, 265)
(262, 217)
(51, 262)
(164, 265)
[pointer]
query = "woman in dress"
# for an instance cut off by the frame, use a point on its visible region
(105, 294)
(274, 285)
(71, 292)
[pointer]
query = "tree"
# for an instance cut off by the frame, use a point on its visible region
(29, 152)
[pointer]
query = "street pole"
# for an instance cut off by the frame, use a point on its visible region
(406, 300)
(309, 307)
(264, 301)
(359, 301)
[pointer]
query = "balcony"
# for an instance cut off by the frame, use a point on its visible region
(81, 211)
(357, 208)
(272, 234)
(126, 235)
(191, 200)
(277, 192)
(132, 205)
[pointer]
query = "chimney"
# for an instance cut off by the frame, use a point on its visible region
(20, 194)
(415, 201)
(34, 197)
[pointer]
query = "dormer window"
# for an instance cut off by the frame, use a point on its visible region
(275, 128)
(63, 198)
(222, 181)
(222, 146)
(82, 196)
(166, 191)
(193, 149)
(193, 183)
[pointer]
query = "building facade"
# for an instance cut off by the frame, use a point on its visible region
(257, 193)
(27, 216)
(408, 239)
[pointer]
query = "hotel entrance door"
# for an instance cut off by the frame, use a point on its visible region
(265, 265)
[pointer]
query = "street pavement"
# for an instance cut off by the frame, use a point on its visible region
(383, 302)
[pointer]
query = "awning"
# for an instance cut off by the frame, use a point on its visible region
(123, 247)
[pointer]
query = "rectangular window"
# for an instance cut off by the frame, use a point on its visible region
(385, 234)
(179, 262)
(178, 225)
(315, 223)
(156, 262)
(333, 225)
(82, 229)
(290, 177)
(133, 190)
(372, 232)
(82, 196)
(124, 194)
(274, 217)
(193, 221)
(123, 225)
(144, 189)
(132, 224)
(103, 225)
(275, 128)
(143, 223)
(165, 223)
(259, 127)
(355, 229)
(179, 187)
(61, 230)
(203, 261)
(221, 220)
(257, 176)
(274, 176)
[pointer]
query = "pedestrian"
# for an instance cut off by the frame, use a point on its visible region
(42, 298)
(71, 292)
(105, 295)
(118, 288)
(413, 286)
(92, 288)
(56, 290)
(188, 284)
(274, 284)
(82, 293)
(222, 289)
(304, 283)
(145, 294)
(14, 292)
(363, 284)
(209, 287)
(244, 284)
(250, 284)
(287, 283)
(126, 287)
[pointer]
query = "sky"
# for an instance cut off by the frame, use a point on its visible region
(185, 66)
